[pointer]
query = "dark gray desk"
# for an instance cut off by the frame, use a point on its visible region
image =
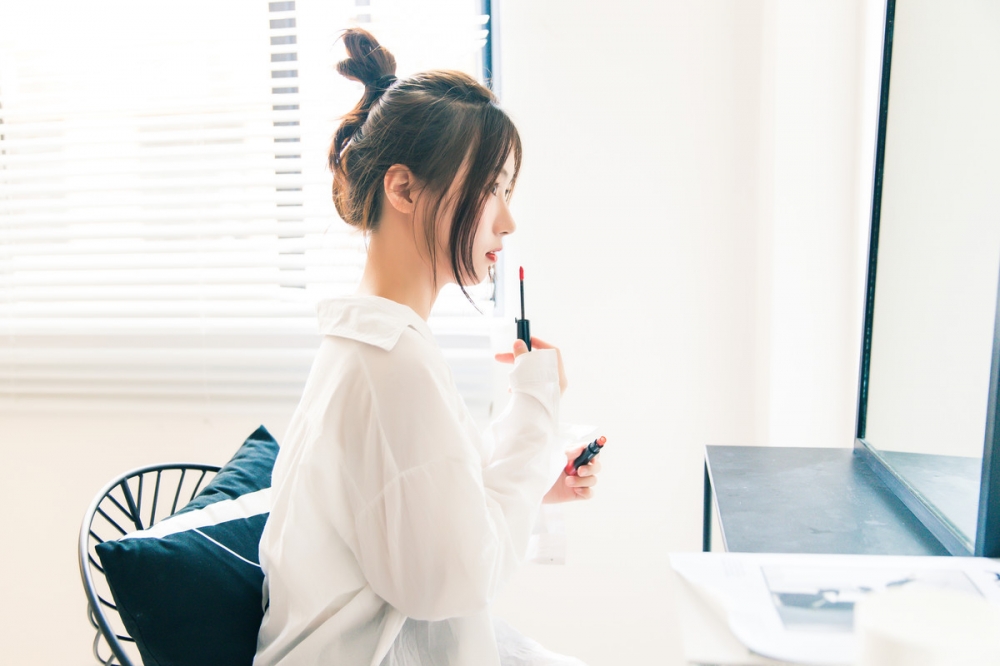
(806, 500)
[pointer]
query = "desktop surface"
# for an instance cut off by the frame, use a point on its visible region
(807, 500)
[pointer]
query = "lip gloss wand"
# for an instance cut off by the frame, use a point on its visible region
(523, 326)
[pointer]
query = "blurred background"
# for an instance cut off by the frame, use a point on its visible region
(692, 218)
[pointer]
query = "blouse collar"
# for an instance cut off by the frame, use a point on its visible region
(370, 319)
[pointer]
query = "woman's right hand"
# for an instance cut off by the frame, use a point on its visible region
(536, 343)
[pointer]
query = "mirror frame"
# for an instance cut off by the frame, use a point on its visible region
(987, 537)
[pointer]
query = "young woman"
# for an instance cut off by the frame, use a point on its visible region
(394, 521)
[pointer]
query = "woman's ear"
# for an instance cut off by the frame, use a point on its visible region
(400, 187)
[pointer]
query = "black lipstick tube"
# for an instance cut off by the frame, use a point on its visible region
(586, 455)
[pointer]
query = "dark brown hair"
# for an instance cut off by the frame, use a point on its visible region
(431, 123)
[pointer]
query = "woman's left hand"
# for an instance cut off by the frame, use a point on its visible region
(581, 486)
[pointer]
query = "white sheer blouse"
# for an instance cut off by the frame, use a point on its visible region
(394, 523)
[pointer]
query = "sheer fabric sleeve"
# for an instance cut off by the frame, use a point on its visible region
(437, 533)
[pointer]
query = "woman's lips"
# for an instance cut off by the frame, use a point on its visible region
(492, 256)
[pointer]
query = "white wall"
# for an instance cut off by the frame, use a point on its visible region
(688, 215)
(809, 279)
(635, 210)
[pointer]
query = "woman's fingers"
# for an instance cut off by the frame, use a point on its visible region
(536, 343)
(581, 481)
(586, 478)
(519, 349)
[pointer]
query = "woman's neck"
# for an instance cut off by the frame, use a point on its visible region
(396, 270)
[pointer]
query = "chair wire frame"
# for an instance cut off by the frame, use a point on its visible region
(133, 501)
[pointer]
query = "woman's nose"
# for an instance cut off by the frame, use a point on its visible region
(505, 222)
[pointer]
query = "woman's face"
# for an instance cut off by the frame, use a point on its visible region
(495, 223)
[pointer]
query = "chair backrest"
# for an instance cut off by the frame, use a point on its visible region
(134, 501)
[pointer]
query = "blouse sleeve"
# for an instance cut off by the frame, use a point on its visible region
(437, 533)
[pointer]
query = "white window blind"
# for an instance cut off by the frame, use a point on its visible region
(166, 224)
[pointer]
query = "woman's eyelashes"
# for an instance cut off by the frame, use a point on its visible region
(496, 186)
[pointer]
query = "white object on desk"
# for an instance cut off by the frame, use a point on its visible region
(707, 638)
(926, 626)
(800, 608)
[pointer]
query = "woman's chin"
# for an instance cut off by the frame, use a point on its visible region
(476, 280)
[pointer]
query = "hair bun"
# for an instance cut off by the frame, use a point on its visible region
(368, 61)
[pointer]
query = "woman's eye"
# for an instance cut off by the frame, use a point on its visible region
(493, 190)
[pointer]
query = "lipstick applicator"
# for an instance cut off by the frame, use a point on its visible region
(523, 326)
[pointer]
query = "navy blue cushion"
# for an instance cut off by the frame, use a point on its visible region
(189, 589)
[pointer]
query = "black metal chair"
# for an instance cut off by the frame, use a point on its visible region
(117, 510)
